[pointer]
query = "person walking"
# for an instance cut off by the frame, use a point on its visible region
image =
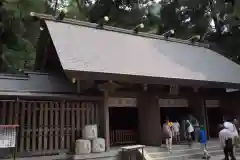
(226, 142)
(232, 128)
(236, 133)
(176, 132)
(190, 132)
(167, 134)
(203, 141)
(235, 122)
(196, 126)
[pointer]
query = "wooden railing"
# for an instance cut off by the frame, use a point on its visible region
(48, 126)
(122, 137)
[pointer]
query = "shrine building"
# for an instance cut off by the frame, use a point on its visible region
(125, 83)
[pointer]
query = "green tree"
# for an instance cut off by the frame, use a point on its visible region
(18, 34)
(227, 23)
(217, 22)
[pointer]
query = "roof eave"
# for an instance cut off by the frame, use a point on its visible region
(149, 80)
(50, 96)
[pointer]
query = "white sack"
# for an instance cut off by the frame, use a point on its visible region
(98, 145)
(83, 146)
(90, 132)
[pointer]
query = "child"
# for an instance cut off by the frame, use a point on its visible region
(203, 141)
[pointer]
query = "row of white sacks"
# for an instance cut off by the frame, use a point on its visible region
(84, 146)
(90, 142)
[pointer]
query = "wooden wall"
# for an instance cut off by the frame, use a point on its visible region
(48, 126)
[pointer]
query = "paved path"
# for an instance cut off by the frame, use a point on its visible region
(216, 157)
(57, 157)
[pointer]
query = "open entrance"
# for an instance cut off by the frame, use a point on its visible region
(176, 110)
(123, 124)
(214, 117)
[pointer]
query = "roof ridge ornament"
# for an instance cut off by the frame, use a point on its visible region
(102, 22)
(47, 17)
(138, 27)
(169, 33)
(62, 14)
(194, 39)
(34, 16)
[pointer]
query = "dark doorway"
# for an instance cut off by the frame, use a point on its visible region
(214, 118)
(175, 114)
(123, 123)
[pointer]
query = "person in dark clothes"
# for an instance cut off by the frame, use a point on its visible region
(226, 142)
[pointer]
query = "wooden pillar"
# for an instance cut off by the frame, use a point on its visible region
(197, 106)
(78, 86)
(235, 106)
(198, 109)
(106, 120)
(149, 119)
(204, 120)
(107, 88)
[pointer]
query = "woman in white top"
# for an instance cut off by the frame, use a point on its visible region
(226, 142)
(232, 128)
(190, 132)
(176, 131)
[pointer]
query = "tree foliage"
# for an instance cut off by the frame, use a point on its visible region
(18, 34)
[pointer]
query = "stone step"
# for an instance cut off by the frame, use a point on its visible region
(181, 153)
(198, 156)
(179, 147)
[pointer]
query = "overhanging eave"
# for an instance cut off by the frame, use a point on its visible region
(148, 80)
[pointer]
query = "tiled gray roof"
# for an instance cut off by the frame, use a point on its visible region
(88, 49)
